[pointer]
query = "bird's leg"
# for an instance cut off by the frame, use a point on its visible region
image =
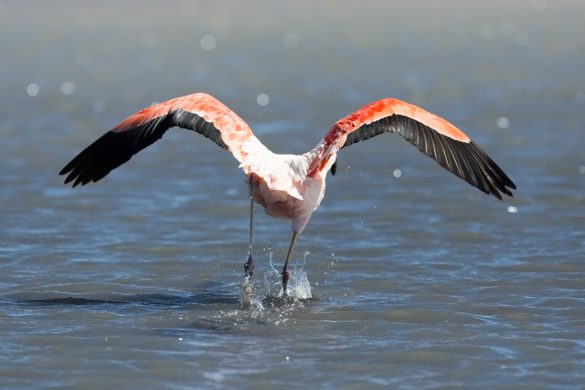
(285, 274)
(249, 265)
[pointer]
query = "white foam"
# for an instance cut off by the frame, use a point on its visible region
(298, 284)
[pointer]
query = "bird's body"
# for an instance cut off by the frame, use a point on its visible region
(285, 185)
(281, 185)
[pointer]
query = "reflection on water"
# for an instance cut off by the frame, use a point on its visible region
(417, 280)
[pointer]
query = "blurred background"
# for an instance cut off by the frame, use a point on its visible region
(419, 279)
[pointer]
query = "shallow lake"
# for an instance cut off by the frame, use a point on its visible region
(418, 279)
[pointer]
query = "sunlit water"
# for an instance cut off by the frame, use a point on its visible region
(405, 277)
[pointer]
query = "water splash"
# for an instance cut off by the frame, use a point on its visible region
(299, 286)
(251, 297)
(247, 293)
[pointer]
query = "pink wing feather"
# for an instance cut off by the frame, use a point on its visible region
(431, 134)
(198, 112)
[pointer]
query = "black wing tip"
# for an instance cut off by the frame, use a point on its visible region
(497, 187)
(76, 172)
(105, 154)
(498, 182)
(84, 173)
(73, 177)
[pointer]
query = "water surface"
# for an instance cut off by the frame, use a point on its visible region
(418, 280)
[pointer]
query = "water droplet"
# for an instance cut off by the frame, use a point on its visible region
(208, 42)
(397, 173)
(512, 209)
(582, 169)
(67, 88)
(32, 89)
(503, 122)
(263, 99)
(287, 358)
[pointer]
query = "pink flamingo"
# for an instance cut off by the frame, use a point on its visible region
(285, 185)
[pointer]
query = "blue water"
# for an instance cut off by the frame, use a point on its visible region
(418, 280)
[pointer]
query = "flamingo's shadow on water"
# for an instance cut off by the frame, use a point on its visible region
(211, 294)
(215, 307)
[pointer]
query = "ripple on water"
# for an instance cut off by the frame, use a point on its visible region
(418, 280)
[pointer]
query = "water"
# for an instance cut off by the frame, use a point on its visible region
(417, 279)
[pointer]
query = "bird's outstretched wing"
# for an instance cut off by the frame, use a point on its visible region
(432, 135)
(199, 112)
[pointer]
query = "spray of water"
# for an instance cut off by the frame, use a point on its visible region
(298, 283)
(299, 288)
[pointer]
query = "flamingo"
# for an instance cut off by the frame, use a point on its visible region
(289, 186)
